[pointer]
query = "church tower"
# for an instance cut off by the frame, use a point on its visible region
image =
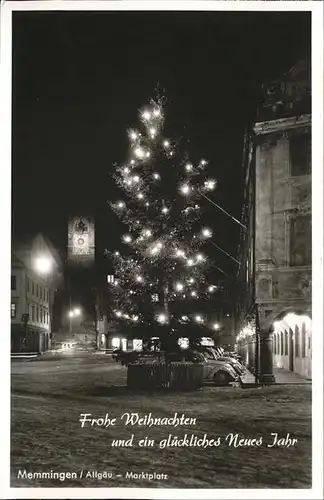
(81, 241)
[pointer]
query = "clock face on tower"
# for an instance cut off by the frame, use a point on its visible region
(80, 244)
(81, 240)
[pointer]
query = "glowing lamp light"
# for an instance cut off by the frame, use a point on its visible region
(152, 132)
(190, 262)
(121, 204)
(43, 265)
(133, 162)
(139, 153)
(71, 314)
(179, 287)
(133, 135)
(126, 316)
(180, 253)
(193, 294)
(156, 176)
(157, 112)
(199, 257)
(203, 162)
(199, 319)
(147, 204)
(210, 185)
(188, 167)
(127, 238)
(185, 189)
(183, 342)
(136, 178)
(216, 326)
(191, 280)
(166, 144)
(117, 253)
(135, 318)
(148, 154)
(118, 314)
(148, 232)
(146, 115)
(162, 318)
(165, 210)
(139, 279)
(206, 232)
(211, 288)
(140, 196)
(126, 170)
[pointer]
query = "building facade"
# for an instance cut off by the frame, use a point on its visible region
(273, 313)
(35, 275)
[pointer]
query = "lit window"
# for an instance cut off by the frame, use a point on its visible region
(110, 278)
(13, 310)
(155, 297)
(116, 343)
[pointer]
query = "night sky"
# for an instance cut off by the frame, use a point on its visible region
(80, 78)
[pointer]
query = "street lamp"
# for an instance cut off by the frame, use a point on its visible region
(72, 314)
(43, 265)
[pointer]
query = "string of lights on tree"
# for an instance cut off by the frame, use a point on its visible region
(161, 208)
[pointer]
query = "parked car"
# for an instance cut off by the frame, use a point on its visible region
(218, 372)
(212, 353)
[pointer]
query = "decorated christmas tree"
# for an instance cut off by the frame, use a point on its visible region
(161, 275)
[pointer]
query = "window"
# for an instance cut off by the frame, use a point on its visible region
(301, 240)
(40, 292)
(286, 343)
(44, 295)
(297, 351)
(40, 315)
(33, 313)
(110, 278)
(37, 290)
(303, 341)
(37, 314)
(28, 285)
(13, 310)
(13, 282)
(33, 288)
(281, 343)
(300, 154)
(274, 345)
